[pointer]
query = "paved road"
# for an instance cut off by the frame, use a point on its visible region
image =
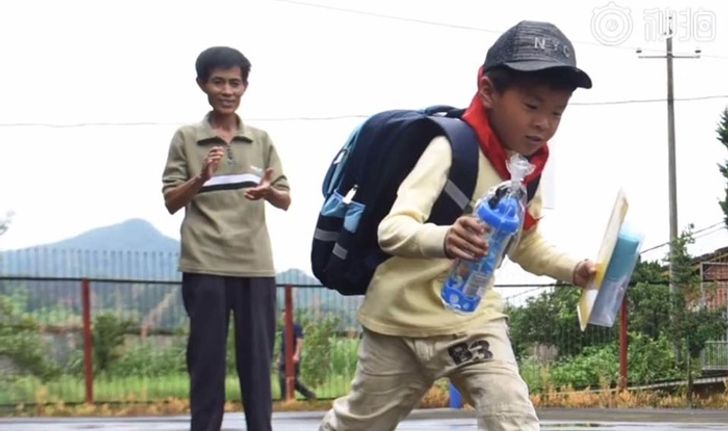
(421, 420)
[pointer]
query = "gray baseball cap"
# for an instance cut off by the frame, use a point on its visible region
(531, 46)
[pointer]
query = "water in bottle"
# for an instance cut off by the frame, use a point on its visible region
(502, 211)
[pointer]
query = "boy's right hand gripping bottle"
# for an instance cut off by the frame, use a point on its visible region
(501, 210)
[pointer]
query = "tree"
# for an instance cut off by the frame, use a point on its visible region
(692, 325)
(649, 308)
(550, 319)
(5, 222)
(722, 131)
(650, 272)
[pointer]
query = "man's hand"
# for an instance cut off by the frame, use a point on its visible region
(464, 239)
(211, 162)
(296, 359)
(263, 189)
(584, 272)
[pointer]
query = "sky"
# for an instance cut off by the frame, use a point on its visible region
(92, 92)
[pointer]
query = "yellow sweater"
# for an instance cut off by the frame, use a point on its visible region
(403, 298)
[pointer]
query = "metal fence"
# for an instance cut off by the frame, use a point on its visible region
(119, 333)
(124, 340)
(715, 356)
(120, 340)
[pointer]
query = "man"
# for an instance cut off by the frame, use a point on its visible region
(296, 358)
(222, 171)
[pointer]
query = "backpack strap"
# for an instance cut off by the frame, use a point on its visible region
(461, 179)
(532, 187)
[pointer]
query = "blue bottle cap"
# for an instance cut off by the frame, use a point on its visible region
(505, 217)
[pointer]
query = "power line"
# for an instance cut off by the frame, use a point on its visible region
(392, 17)
(631, 101)
(455, 26)
(709, 233)
(537, 287)
(311, 118)
(89, 124)
(166, 123)
(696, 234)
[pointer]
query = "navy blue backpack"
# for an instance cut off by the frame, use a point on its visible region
(361, 186)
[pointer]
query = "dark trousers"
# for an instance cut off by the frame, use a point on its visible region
(208, 300)
(300, 387)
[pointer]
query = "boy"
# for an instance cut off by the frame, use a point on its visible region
(222, 172)
(410, 339)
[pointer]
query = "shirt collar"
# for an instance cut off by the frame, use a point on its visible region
(206, 134)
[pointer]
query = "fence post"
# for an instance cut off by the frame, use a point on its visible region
(288, 325)
(623, 347)
(88, 364)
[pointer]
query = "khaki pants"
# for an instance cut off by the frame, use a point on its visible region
(393, 373)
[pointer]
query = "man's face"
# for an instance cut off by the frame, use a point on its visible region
(526, 116)
(224, 88)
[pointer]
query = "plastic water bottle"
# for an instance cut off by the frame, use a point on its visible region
(502, 210)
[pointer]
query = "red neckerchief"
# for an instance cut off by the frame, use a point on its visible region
(492, 148)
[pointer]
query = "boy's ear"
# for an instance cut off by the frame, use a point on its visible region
(200, 84)
(486, 91)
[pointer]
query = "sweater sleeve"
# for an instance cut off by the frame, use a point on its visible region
(535, 255)
(403, 232)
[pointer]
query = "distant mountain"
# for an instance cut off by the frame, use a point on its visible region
(133, 234)
(133, 249)
(297, 277)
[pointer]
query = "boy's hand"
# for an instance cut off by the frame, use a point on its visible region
(464, 239)
(584, 272)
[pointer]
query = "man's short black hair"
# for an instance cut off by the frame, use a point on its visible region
(222, 57)
(504, 78)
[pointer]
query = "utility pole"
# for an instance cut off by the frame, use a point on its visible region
(672, 177)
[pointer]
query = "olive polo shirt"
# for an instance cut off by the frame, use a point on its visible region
(223, 232)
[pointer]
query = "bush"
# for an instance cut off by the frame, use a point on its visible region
(150, 360)
(534, 374)
(20, 341)
(595, 367)
(108, 333)
(317, 350)
(344, 356)
(651, 360)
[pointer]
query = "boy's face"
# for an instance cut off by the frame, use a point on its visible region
(224, 88)
(526, 115)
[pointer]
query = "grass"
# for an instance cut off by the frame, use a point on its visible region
(71, 389)
(168, 395)
(437, 396)
(610, 398)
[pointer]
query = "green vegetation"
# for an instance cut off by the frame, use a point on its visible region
(140, 336)
(722, 132)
